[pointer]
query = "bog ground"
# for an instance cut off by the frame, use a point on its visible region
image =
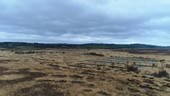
(82, 72)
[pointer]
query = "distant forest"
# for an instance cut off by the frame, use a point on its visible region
(24, 45)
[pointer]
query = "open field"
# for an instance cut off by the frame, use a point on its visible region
(82, 72)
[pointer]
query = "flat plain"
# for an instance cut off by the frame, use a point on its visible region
(84, 72)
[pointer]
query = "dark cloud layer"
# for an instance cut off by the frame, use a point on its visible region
(85, 21)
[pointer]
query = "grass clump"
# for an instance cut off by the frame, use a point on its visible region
(131, 68)
(161, 73)
(95, 54)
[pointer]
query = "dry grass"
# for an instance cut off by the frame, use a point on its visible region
(70, 72)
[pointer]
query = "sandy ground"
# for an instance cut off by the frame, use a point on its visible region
(77, 72)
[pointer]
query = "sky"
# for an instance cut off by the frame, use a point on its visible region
(85, 21)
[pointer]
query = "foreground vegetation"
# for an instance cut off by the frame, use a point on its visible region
(83, 72)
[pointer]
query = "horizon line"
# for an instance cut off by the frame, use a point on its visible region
(87, 43)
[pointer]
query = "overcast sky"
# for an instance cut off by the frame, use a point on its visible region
(85, 21)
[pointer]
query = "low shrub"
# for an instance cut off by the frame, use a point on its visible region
(95, 54)
(161, 73)
(131, 68)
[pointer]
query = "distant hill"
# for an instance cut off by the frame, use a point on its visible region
(23, 45)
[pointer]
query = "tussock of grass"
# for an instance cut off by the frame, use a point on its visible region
(95, 54)
(42, 89)
(161, 73)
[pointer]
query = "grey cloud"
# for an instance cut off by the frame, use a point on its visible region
(85, 21)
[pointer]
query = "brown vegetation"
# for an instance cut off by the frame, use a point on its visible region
(81, 72)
